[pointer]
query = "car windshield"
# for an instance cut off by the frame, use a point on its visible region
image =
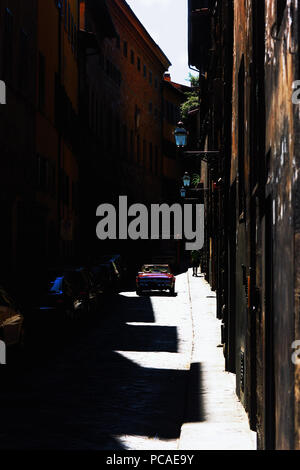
(156, 269)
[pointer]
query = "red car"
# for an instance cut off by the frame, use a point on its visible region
(155, 277)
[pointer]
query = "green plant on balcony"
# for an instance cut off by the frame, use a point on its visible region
(196, 180)
(192, 97)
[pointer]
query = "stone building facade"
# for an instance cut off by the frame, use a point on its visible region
(253, 252)
(83, 123)
(18, 39)
(125, 115)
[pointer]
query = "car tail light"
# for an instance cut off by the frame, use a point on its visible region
(82, 293)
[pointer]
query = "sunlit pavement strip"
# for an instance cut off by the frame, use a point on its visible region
(168, 312)
(224, 423)
(146, 443)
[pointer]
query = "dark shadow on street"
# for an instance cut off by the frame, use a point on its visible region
(79, 392)
(195, 412)
(158, 294)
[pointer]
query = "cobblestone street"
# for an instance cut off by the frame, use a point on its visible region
(124, 381)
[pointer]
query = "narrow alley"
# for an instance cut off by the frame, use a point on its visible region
(141, 140)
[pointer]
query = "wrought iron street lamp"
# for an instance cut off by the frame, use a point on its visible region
(186, 180)
(180, 134)
(183, 192)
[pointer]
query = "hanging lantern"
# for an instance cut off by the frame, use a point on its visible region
(180, 135)
(186, 180)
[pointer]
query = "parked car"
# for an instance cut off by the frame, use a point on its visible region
(155, 277)
(65, 294)
(11, 320)
(84, 286)
(103, 278)
(110, 271)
